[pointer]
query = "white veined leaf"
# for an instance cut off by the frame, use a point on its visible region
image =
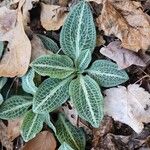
(28, 83)
(51, 94)
(69, 134)
(14, 107)
(32, 125)
(49, 123)
(49, 43)
(87, 98)
(83, 60)
(1, 99)
(55, 66)
(106, 73)
(65, 146)
(78, 32)
(1, 48)
(3, 81)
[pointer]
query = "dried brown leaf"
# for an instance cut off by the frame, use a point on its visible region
(43, 141)
(127, 21)
(5, 141)
(13, 128)
(128, 105)
(123, 57)
(38, 48)
(52, 16)
(16, 58)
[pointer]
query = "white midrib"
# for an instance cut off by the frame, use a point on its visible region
(30, 129)
(87, 99)
(78, 33)
(68, 131)
(55, 67)
(52, 92)
(83, 60)
(106, 74)
(17, 107)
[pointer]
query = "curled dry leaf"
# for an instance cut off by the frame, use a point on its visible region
(43, 141)
(123, 57)
(52, 16)
(38, 48)
(127, 21)
(16, 58)
(129, 105)
(13, 128)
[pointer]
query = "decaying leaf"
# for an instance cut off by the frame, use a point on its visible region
(123, 57)
(5, 141)
(129, 105)
(127, 21)
(16, 58)
(38, 48)
(52, 16)
(13, 128)
(43, 141)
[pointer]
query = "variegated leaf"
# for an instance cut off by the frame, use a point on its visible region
(1, 48)
(78, 32)
(32, 124)
(65, 146)
(49, 123)
(87, 98)
(106, 73)
(28, 83)
(49, 43)
(3, 81)
(55, 66)
(14, 107)
(83, 60)
(51, 94)
(69, 134)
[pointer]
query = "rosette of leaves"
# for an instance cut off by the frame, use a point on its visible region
(70, 75)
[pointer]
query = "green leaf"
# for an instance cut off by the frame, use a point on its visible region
(55, 66)
(49, 43)
(51, 94)
(49, 123)
(27, 82)
(1, 48)
(107, 74)
(1, 99)
(87, 98)
(78, 32)
(32, 124)
(3, 81)
(68, 133)
(65, 146)
(83, 60)
(14, 107)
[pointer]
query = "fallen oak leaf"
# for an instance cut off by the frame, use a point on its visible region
(127, 21)
(43, 141)
(15, 60)
(123, 57)
(129, 105)
(52, 16)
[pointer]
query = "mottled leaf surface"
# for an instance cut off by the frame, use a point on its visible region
(32, 124)
(87, 98)
(68, 133)
(55, 66)
(51, 94)
(78, 32)
(106, 73)
(14, 107)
